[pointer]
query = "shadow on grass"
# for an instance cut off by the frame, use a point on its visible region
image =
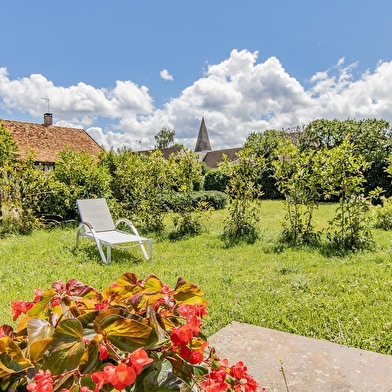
(89, 254)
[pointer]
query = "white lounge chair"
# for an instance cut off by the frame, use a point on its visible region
(97, 224)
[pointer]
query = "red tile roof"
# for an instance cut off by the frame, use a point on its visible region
(48, 140)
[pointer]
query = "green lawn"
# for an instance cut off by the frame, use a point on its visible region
(342, 299)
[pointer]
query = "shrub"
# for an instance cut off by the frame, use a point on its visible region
(298, 178)
(215, 180)
(343, 177)
(190, 221)
(382, 214)
(243, 192)
(134, 336)
(176, 201)
(82, 178)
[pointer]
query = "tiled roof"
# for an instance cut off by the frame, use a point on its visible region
(48, 140)
(212, 158)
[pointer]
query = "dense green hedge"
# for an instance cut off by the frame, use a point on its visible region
(176, 201)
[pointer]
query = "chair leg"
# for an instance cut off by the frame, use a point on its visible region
(144, 251)
(109, 253)
(101, 252)
(150, 246)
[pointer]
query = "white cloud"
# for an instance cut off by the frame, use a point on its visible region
(237, 96)
(165, 75)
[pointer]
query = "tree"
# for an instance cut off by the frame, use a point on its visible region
(8, 147)
(186, 173)
(298, 178)
(264, 144)
(244, 194)
(165, 138)
(371, 138)
(343, 178)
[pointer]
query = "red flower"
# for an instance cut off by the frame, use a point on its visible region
(18, 307)
(102, 305)
(196, 357)
(245, 382)
(119, 376)
(38, 293)
(103, 353)
(138, 359)
(43, 382)
(210, 385)
(124, 376)
(181, 336)
(238, 370)
(188, 311)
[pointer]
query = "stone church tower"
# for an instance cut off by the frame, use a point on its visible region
(203, 145)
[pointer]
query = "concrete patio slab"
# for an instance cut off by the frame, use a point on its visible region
(309, 364)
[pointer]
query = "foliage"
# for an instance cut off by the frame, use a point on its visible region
(343, 177)
(8, 147)
(243, 192)
(371, 139)
(165, 138)
(185, 172)
(297, 175)
(10, 204)
(176, 201)
(190, 221)
(215, 199)
(139, 182)
(82, 177)
(134, 335)
(264, 144)
(382, 214)
(215, 180)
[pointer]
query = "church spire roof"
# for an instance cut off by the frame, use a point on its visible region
(203, 141)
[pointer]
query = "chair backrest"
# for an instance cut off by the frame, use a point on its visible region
(96, 212)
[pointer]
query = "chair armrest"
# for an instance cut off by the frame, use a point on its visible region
(86, 224)
(128, 223)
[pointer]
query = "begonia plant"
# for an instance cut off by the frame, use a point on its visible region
(136, 335)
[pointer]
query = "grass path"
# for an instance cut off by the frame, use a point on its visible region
(346, 300)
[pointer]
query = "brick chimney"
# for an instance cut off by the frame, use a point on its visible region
(48, 119)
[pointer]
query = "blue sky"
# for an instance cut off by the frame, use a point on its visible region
(122, 70)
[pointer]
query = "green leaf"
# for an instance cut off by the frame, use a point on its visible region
(46, 297)
(37, 309)
(68, 347)
(12, 359)
(126, 334)
(90, 359)
(38, 349)
(38, 329)
(188, 293)
(160, 378)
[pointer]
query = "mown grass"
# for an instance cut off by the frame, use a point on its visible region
(307, 291)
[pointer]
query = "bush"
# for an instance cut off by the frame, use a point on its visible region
(244, 194)
(136, 335)
(215, 199)
(82, 177)
(382, 214)
(189, 222)
(215, 180)
(177, 201)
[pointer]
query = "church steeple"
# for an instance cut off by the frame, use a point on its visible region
(203, 141)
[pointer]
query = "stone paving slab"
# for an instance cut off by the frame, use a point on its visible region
(309, 364)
